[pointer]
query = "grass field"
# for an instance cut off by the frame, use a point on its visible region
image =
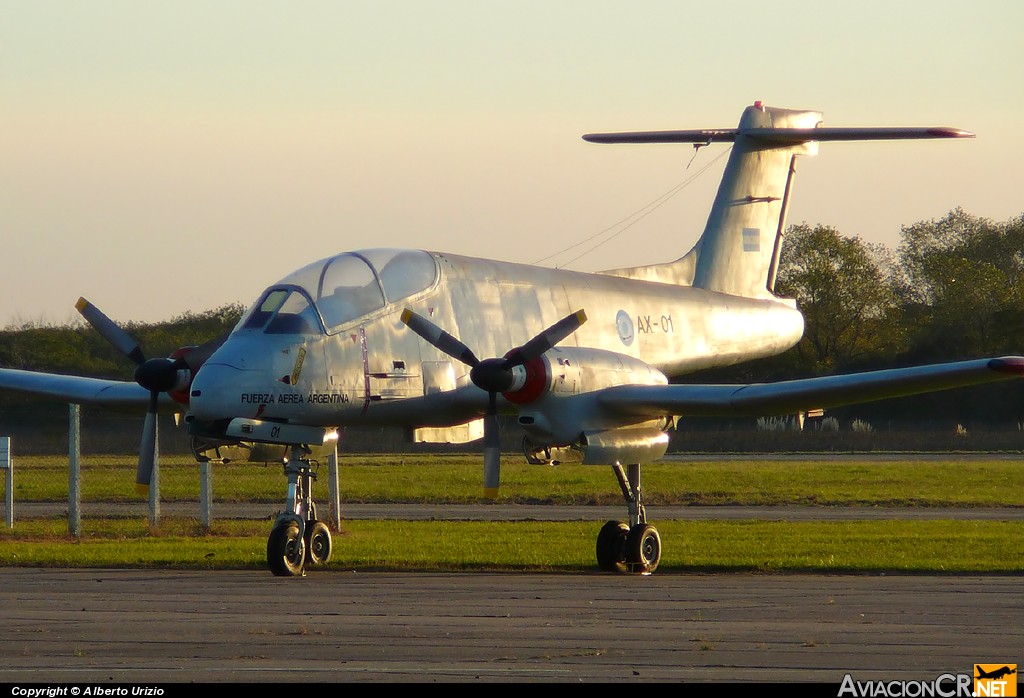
(946, 481)
(689, 546)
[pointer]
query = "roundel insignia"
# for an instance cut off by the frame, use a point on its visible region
(624, 325)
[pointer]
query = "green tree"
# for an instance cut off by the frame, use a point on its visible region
(844, 288)
(965, 290)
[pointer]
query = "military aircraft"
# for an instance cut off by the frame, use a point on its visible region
(443, 344)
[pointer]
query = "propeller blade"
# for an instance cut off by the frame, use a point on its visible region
(160, 375)
(147, 454)
(493, 375)
(110, 331)
(438, 338)
(549, 337)
(492, 450)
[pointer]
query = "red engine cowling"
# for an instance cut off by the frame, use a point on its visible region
(574, 370)
(180, 394)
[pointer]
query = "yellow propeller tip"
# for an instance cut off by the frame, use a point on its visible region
(142, 489)
(491, 492)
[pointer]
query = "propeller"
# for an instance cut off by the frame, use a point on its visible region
(171, 375)
(497, 375)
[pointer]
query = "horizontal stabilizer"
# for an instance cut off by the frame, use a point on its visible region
(786, 136)
(727, 135)
(805, 135)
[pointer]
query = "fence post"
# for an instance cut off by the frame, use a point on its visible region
(7, 463)
(334, 503)
(74, 471)
(205, 494)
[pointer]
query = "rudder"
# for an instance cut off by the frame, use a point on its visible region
(737, 250)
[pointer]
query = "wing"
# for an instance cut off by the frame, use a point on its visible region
(788, 397)
(124, 396)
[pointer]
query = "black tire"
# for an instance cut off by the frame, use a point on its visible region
(318, 543)
(611, 547)
(286, 551)
(643, 549)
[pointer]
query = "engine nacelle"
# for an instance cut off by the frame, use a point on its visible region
(572, 371)
(558, 407)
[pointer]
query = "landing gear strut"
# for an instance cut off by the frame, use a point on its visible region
(633, 548)
(297, 538)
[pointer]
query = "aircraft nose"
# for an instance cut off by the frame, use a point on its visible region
(215, 392)
(231, 381)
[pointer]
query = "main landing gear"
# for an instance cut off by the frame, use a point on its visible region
(633, 548)
(298, 539)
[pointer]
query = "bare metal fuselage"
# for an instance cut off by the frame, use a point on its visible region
(374, 371)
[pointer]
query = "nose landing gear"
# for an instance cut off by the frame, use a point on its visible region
(298, 538)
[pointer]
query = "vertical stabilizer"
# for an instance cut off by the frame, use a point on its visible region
(739, 250)
(736, 251)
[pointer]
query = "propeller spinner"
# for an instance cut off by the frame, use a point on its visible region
(170, 375)
(496, 375)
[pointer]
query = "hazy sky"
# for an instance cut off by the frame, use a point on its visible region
(159, 157)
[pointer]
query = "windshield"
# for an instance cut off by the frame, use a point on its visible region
(341, 289)
(282, 311)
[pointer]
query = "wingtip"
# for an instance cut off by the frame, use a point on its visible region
(947, 132)
(1008, 364)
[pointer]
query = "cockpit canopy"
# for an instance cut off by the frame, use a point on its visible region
(331, 293)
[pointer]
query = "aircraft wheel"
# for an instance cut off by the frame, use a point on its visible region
(643, 549)
(286, 550)
(318, 543)
(611, 547)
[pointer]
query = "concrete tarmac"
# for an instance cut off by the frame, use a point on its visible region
(146, 627)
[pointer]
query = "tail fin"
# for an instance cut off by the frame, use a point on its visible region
(739, 250)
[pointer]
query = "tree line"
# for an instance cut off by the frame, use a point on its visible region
(76, 348)
(953, 289)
